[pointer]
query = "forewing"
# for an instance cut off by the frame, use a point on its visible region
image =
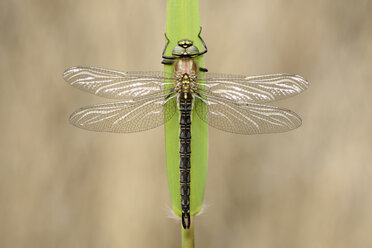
(246, 119)
(124, 117)
(257, 89)
(115, 84)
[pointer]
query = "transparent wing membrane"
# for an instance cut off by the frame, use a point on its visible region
(124, 117)
(115, 84)
(249, 118)
(226, 102)
(256, 89)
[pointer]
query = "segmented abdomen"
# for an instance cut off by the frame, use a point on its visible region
(185, 106)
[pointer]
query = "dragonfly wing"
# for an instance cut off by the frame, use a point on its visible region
(124, 117)
(246, 119)
(257, 89)
(115, 84)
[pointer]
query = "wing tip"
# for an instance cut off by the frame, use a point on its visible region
(66, 75)
(302, 80)
(298, 78)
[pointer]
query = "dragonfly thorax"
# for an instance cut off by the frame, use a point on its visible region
(185, 70)
(186, 85)
(185, 65)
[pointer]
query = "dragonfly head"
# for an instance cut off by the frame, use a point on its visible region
(185, 48)
(185, 43)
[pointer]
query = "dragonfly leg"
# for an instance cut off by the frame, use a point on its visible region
(203, 69)
(205, 46)
(167, 62)
(165, 48)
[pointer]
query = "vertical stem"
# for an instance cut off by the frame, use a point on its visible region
(188, 235)
(183, 22)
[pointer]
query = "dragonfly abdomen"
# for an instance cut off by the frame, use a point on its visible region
(185, 106)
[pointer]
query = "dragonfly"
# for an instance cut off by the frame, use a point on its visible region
(148, 99)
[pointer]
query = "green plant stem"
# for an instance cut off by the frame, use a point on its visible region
(183, 22)
(188, 236)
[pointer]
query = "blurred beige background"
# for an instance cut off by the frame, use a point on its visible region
(65, 187)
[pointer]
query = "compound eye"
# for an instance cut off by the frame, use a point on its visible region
(192, 50)
(178, 51)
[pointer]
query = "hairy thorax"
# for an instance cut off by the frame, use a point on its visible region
(185, 70)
